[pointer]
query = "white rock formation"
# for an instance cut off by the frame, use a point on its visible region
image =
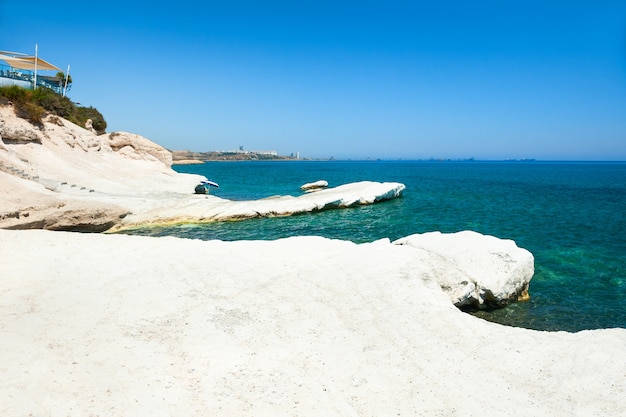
(25, 205)
(137, 147)
(124, 180)
(117, 325)
(206, 208)
(89, 126)
(475, 269)
(314, 186)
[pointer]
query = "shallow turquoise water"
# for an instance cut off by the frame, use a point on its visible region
(569, 215)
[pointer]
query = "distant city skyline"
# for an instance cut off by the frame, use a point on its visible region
(351, 80)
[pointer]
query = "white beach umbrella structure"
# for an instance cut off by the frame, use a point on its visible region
(27, 62)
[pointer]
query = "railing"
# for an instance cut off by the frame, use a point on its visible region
(52, 83)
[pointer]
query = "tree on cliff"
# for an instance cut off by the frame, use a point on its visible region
(61, 77)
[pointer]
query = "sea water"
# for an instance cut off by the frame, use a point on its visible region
(570, 215)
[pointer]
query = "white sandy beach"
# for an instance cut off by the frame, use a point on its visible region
(117, 325)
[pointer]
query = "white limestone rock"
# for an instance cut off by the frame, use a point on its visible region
(199, 208)
(134, 146)
(127, 173)
(480, 270)
(89, 126)
(16, 130)
(27, 204)
(314, 186)
(59, 131)
(118, 325)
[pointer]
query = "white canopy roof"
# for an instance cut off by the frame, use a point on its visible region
(26, 62)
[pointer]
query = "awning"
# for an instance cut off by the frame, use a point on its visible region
(27, 62)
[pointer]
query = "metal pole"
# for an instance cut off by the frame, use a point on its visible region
(67, 75)
(35, 84)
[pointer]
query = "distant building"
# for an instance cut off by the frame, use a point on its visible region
(270, 153)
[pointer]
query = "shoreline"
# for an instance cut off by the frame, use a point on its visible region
(117, 325)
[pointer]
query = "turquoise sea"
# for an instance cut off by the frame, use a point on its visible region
(570, 215)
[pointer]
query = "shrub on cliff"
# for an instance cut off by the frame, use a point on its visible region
(14, 93)
(23, 103)
(98, 122)
(31, 112)
(33, 106)
(53, 103)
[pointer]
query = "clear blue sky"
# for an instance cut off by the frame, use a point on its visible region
(353, 79)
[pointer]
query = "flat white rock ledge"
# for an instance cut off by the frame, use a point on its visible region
(208, 208)
(479, 270)
(118, 325)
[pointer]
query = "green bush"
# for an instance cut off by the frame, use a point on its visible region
(54, 103)
(14, 93)
(98, 122)
(24, 104)
(33, 106)
(31, 112)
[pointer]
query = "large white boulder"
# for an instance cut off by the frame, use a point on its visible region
(475, 269)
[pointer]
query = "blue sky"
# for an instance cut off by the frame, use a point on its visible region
(367, 79)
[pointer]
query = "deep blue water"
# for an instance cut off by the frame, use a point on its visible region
(569, 215)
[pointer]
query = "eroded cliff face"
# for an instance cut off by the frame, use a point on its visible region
(56, 130)
(134, 146)
(49, 172)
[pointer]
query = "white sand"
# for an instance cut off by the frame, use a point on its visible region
(115, 325)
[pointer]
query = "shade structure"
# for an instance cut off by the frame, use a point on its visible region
(27, 62)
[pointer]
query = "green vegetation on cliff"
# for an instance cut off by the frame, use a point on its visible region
(33, 105)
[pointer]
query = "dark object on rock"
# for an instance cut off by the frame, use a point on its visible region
(201, 189)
